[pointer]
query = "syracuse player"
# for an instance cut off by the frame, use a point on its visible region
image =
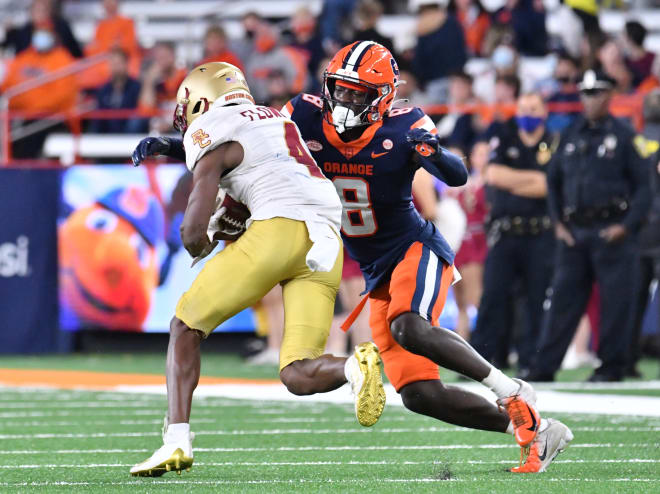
(292, 238)
(371, 153)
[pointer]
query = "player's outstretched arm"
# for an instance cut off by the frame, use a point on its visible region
(436, 160)
(158, 146)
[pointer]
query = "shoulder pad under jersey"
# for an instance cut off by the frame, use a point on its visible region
(412, 118)
(301, 102)
(207, 132)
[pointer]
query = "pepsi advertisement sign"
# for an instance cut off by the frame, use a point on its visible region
(28, 260)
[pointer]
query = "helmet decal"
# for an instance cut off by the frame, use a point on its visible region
(354, 56)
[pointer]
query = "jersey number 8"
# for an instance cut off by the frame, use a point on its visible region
(357, 216)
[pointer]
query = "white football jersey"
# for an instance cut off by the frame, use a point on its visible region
(278, 176)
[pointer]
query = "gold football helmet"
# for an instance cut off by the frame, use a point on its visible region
(214, 82)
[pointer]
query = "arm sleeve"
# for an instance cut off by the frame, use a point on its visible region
(444, 165)
(640, 198)
(177, 150)
(447, 167)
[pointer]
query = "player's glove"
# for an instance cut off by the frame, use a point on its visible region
(158, 146)
(425, 143)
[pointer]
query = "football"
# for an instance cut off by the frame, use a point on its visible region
(230, 217)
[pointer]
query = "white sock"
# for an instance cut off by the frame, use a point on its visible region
(509, 428)
(177, 433)
(500, 384)
(347, 369)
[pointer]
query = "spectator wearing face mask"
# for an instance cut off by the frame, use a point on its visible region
(503, 63)
(42, 17)
(44, 56)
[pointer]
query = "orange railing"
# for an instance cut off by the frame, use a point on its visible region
(6, 117)
(622, 106)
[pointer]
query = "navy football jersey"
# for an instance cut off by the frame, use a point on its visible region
(373, 176)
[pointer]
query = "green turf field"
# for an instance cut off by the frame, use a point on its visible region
(77, 441)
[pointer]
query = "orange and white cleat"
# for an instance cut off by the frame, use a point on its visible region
(521, 408)
(548, 444)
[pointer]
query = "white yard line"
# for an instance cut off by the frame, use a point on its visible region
(174, 481)
(279, 432)
(276, 432)
(4, 452)
(317, 463)
(113, 423)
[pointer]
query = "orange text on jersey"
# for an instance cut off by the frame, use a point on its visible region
(348, 168)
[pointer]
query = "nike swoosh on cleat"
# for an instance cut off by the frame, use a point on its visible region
(545, 450)
(534, 424)
(378, 155)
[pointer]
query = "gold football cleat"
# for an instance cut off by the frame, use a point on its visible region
(367, 383)
(160, 463)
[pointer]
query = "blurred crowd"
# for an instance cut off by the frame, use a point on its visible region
(474, 62)
(284, 57)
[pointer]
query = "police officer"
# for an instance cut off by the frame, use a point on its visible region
(598, 194)
(520, 238)
(649, 234)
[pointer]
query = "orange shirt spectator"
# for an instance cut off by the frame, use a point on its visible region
(216, 48)
(474, 20)
(58, 95)
(475, 30)
(111, 32)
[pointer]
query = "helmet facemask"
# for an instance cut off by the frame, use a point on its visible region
(351, 111)
(180, 121)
